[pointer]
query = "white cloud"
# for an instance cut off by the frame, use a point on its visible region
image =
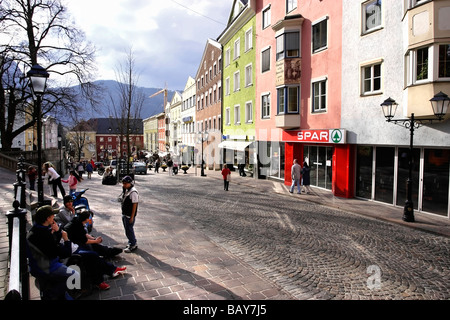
(167, 37)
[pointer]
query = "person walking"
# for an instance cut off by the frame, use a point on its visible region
(130, 200)
(306, 178)
(296, 176)
(226, 174)
(73, 180)
(32, 174)
(54, 179)
(89, 169)
(170, 166)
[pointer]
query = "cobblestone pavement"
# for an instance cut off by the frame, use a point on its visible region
(312, 251)
(197, 241)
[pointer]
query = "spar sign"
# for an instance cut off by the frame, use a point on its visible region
(315, 136)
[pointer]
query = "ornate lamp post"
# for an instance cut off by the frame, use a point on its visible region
(59, 151)
(439, 103)
(204, 137)
(38, 82)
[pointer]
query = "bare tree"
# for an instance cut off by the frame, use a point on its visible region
(126, 106)
(41, 32)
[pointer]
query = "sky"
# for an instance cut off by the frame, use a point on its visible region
(167, 37)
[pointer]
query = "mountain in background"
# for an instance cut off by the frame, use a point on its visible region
(151, 106)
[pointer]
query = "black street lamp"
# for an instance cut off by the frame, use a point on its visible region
(203, 139)
(59, 151)
(439, 103)
(38, 79)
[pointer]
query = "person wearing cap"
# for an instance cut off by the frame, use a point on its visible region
(130, 200)
(46, 252)
(67, 212)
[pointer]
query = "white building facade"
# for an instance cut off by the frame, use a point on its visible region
(401, 50)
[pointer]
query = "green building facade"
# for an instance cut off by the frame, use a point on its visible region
(238, 103)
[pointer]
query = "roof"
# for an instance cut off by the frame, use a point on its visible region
(113, 125)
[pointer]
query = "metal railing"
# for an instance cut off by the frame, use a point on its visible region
(19, 283)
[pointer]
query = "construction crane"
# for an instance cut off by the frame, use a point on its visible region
(164, 110)
(165, 96)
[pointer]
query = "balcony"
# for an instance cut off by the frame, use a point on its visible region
(287, 121)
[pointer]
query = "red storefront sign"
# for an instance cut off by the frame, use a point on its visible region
(315, 136)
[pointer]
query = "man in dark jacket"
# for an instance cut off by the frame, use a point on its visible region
(46, 252)
(129, 199)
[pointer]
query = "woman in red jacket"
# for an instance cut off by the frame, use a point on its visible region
(226, 173)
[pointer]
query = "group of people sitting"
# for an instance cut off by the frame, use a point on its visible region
(59, 241)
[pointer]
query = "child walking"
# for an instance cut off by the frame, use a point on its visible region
(73, 180)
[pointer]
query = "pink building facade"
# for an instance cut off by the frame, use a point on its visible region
(298, 93)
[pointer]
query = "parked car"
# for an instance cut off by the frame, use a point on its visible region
(113, 164)
(123, 170)
(140, 168)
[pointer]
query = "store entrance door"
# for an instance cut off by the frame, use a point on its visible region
(320, 161)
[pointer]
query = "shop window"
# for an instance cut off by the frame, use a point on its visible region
(402, 176)
(435, 181)
(364, 163)
(384, 174)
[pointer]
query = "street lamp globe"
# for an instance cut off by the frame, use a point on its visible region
(38, 77)
(440, 103)
(389, 108)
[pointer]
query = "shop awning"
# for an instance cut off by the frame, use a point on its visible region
(235, 145)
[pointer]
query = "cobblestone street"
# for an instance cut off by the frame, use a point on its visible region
(312, 251)
(197, 241)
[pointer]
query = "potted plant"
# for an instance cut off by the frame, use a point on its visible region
(184, 168)
(164, 167)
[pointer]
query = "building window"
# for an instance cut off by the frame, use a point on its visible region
(422, 64)
(444, 61)
(281, 101)
(265, 60)
(291, 5)
(266, 17)
(293, 99)
(248, 75)
(288, 45)
(288, 99)
(227, 57)
(371, 15)
(265, 106)
(237, 114)
(248, 39)
(319, 95)
(319, 35)
(227, 86)
(413, 3)
(248, 112)
(292, 44)
(227, 116)
(237, 51)
(371, 77)
(237, 83)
